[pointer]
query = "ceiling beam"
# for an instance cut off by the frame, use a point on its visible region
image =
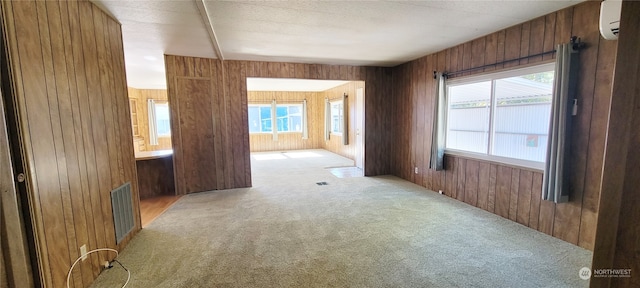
(207, 22)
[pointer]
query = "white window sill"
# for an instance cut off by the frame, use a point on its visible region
(518, 163)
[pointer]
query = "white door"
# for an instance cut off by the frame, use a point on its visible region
(360, 128)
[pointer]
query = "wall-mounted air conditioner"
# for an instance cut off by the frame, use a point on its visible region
(610, 18)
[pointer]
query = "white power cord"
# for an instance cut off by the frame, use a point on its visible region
(98, 250)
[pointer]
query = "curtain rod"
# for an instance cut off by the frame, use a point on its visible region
(448, 74)
(577, 45)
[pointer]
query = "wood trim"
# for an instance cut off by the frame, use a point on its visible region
(16, 264)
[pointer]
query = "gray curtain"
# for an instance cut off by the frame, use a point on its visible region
(563, 107)
(327, 119)
(345, 119)
(305, 131)
(436, 161)
(153, 130)
(274, 120)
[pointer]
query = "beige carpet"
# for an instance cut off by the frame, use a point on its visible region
(287, 231)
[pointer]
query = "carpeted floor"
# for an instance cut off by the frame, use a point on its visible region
(287, 231)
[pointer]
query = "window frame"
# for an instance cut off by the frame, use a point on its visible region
(340, 117)
(270, 106)
(520, 71)
(287, 105)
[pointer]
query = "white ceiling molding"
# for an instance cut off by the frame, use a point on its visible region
(212, 34)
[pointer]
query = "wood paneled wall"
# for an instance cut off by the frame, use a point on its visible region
(141, 96)
(335, 142)
(617, 244)
(573, 222)
(69, 88)
(219, 87)
(290, 141)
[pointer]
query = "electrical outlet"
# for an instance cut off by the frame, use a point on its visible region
(416, 170)
(83, 251)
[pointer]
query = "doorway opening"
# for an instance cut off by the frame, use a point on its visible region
(151, 127)
(305, 114)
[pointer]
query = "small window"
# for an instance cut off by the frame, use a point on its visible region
(337, 117)
(163, 125)
(504, 115)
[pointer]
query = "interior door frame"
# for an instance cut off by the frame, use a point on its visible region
(16, 237)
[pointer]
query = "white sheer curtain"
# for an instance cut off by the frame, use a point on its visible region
(563, 107)
(327, 119)
(274, 120)
(305, 131)
(345, 119)
(153, 129)
(436, 161)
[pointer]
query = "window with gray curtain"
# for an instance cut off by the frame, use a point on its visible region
(564, 107)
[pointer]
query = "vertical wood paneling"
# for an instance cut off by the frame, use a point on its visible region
(512, 45)
(524, 198)
(460, 171)
(491, 198)
(231, 96)
(503, 191)
(524, 42)
(195, 105)
(536, 33)
(471, 185)
(484, 170)
(513, 194)
(595, 158)
(509, 191)
(536, 197)
(68, 84)
(616, 240)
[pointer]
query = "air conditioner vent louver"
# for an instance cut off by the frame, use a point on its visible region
(122, 207)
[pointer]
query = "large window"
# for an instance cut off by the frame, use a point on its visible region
(288, 118)
(163, 124)
(503, 115)
(337, 117)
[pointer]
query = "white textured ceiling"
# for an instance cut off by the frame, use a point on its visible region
(151, 29)
(377, 33)
(286, 84)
